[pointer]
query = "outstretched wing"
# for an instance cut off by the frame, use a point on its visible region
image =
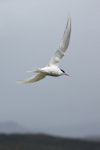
(33, 79)
(63, 45)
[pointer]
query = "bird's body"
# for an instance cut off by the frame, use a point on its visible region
(50, 71)
(52, 68)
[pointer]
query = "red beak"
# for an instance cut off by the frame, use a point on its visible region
(66, 74)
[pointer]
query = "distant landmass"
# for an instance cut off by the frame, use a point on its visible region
(10, 127)
(90, 132)
(44, 142)
(93, 138)
(75, 131)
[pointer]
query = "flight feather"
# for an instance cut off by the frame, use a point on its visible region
(63, 45)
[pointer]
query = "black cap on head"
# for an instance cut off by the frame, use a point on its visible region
(62, 70)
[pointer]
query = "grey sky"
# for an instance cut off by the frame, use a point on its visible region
(30, 32)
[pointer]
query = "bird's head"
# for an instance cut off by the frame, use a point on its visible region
(64, 73)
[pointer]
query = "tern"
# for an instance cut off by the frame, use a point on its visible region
(52, 69)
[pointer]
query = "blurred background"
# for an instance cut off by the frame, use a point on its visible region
(30, 32)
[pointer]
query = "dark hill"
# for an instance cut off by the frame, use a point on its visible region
(44, 142)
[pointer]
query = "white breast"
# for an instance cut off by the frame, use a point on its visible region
(52, 70)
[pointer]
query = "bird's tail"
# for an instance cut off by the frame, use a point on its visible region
(38, 70)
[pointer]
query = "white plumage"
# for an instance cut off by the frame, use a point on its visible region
(52, 68)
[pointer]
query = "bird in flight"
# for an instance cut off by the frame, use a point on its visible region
(52, 69)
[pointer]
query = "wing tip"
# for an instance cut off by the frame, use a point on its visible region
(69, 21)
(23, 81)
(20, 81)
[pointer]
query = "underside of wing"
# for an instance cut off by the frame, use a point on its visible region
(33, 79)
(63, 45)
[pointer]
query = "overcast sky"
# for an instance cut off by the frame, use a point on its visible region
(30, 32)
